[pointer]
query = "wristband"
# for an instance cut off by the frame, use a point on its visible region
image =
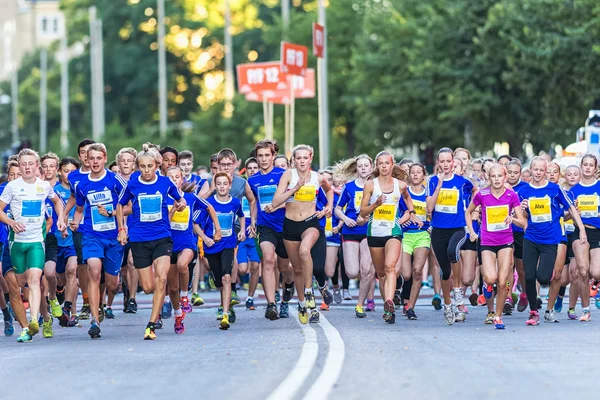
(412, 212)
(122, 229)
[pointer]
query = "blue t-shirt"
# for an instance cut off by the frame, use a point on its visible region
(587, 202)
(74, 178)
(49, 213)
(263, 187)
(150, 215)
(545, 212)
(104, 191)
(451, 204)
(63, 194)
(227, 213)
(517, 188)
(420, 206)
(182, 228)
(3, 227)
(197, 179)
(328, 223)
(349, 201)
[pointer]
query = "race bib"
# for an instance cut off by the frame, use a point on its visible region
(306, 193)
(588, 205)
(100, 223)
(102, 197)
(384, 216)
(447, 201)
(563, 228)
(181, 219)
(150, 207)
(246, 207)
(569, 226)
(31, 212)
(495, 217)
(539, 210)
(420, 209)
(265, 195)
(328, 227)
(226, 222)
(358, 196)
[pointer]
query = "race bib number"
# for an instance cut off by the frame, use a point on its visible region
(31, 212)
(495, 217)
(150, 207)
(181, 219)
(539, 210)
(306, 193)
(420, 209)
(358, 196)
(226, 222)
(265, 195)
(588, 205)
(100, 223)
(384, 216)
(447, 201)
(246, 207)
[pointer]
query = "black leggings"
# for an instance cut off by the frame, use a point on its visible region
(340, 264)
(446, 244)
(319, 254)
(542, 271)
(220, 264)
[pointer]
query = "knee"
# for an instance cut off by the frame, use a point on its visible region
(390, 267)
(268, 261)
(254, 267)
(304, 252)
(243, 269)
(445, 273)
(226, 279)
(94, 275)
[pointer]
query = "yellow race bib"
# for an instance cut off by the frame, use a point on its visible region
(328, 226)
(358, 196)
(588, 205)
(385, 216)
(447, 201)
(306, 193)
(181, 219)
(420, 209)
(495, 217)
(539, 210)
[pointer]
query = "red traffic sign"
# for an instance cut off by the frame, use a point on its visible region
(294, 59)
(318, 40)
(260, 77)
(304, 88)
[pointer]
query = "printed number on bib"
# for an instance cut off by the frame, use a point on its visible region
(420, 209)
(31, 211)
(384, 216)
(496, 218)
(539, 210)
(265, 195)
(588, 205)
(226, 222)
(358, 196)
(306, 193)
(447, 201)
(150, 207)
(100, 223)
(181, 219)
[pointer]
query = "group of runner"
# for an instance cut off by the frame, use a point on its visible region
(79, 225)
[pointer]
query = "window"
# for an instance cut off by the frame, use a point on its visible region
(44, 25)
(55, 25)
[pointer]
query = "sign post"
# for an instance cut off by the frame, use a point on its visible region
(320, 51)
(294, 60)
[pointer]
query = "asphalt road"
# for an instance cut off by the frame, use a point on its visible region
(342, 357)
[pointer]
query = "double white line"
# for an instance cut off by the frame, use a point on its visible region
(322, 386)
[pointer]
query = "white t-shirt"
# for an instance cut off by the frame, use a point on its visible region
(27, 205)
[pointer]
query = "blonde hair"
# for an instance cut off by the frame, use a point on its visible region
(346, 169)
(397, 172)
(97, 147)
(28, 152)
(126, 150)
(302, 147)
(50, 156)
(463, 150)
(149, 150)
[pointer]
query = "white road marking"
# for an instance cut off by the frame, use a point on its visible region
(308, 357)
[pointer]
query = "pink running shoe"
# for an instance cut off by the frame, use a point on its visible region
(179, 328)
(523, 303)
(186, 307)
(534, 319)
(370, 305)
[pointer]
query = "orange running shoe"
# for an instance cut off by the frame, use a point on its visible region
(324, 307)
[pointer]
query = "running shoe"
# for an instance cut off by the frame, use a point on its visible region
(314, 317)
(203, 286)
(159, 323)
(9, 329)
(85, 312)
(101, 314)
(60, 296)
(539, 303)
(397, 298)
(410, 314)
(224, 324)
(41, 319)
(534, 318)
(523, 303)
(346, 294)
(150, 334)
(481, 300)
(47, 331)
(179, 328)
(310, 300)
(388, 310)
(235, 299)
(211, 281)
(460, 316)
(597, 301)
(508, 306)
(284, 310)
(167, 310)
(405, 309)
(63, 320)
(324, 307)
(337, 296)
(303, 315)
(465, 309)
(109, 314)
(132, 307)
(232, 315)
(436, 302)
(488, 291)
(558, 304)
(449, 316)
(73, 321)
(498, 323)
(94, 330)
(515, 297)
(594, 288)
(360, 312)
(197, 301)
(370, 305)
(271, 312)
(571, 314)
(277, 297)
(473, 299)
(547, 296)
(24, 337)
(185, 305)
(490, 318)
(586, 316)
(33, 327)
(250, 304)
(326, 295)
(288, 292)
(220, 313)
(56, 308)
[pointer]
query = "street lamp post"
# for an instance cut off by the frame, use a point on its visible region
(162, 70)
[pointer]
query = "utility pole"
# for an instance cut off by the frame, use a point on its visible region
(11, 69)
(323, 96)
(64, 94)
(162, 70)
(285, 18)
(97, 75)
(43, 99)
(229, 88)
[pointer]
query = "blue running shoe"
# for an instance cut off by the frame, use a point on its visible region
(436, 302)
(9, 329)
(284, 310)
(558, 304)
(597, 300)
(167, 310)
(488, 291)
